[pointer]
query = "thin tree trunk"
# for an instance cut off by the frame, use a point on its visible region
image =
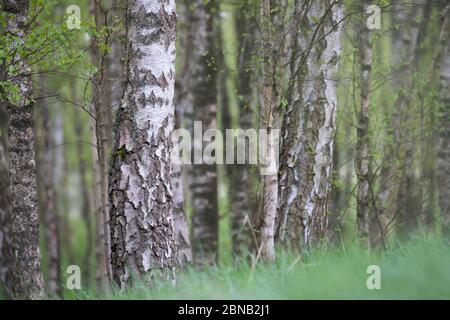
(270, 180)
(363, 168)
(27, 277)
(182, 103)
(100, 258)
(443, 163)
(431, 140)
(241, 186)
(141, 200)
(309, 125)
(117, 67)
(48, 199)
(99, 93)
(62, 177)
(205, 217)
(84, 189)
(404, 194)
(6, 256)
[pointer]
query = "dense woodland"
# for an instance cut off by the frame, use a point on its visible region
(354, 98)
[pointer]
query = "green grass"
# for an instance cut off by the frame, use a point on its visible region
(417, 270)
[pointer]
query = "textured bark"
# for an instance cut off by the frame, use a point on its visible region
(181, 227)
(27, 277)
(362, 158)
(100, 110)
(182, 103)
(204, 176)
(48, 198)
(117, 67)
(268, 118)
(84, 188)
(443, 167)
(241, 188)
(141, 198)
(6, 257)
(309, 124)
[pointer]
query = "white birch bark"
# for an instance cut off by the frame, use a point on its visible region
(141, 196)
(309, 124)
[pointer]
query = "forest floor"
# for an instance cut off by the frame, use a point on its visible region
(418, 269)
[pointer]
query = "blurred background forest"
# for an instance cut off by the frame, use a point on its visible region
(388, 185)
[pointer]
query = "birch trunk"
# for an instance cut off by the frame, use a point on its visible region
(270, 181)
(101, 141)
(48, 199)
(84, 188)
(241, 187)
(27, 277)
(362, 158)
(430, 140)
(404, 191)
(443, 166)
(141, 198)
(309, 125)
(182, 104)
(205, 215)
(6, 257)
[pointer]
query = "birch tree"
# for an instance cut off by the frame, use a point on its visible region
(99, 107)
(362, 158)
(183, 107)
(27, 277)
(404, 191)
(309, 123)
(6, 257)
(205, 216)
(268, 120)
(48, 206)
(241, 190)
(141, 197)
(86, 199)
(443, 170)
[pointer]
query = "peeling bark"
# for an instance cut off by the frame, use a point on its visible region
(309, 125)
(27, 277)
(141, 198)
